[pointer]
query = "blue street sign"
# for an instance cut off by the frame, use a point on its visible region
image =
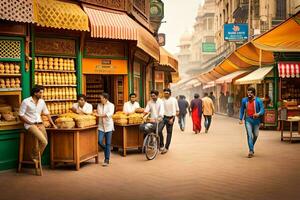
(235, 32)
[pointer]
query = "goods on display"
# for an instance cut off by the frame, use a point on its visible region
(94, 88)
(65, 122)
(123, 119)
(58, 76)
(139, 110)
(42, 78)
(60, 93)
(10, 75)
(81, 121)
(59, 107)
(135, 118)
(120, 118)
(8, 114)
(53, 63)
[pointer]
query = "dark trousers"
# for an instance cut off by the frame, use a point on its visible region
(207, 121)
(164, 123)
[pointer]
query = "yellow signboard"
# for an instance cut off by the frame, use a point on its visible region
(104, 66)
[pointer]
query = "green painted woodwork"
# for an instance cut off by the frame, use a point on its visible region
(9, 149)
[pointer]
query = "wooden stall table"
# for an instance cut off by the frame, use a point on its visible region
(127, 137)
(291, 135)
(75, 145)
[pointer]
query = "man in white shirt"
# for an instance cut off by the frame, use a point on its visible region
(130, 106)
(82, 107)
(171, 110)
(105, 111)
(154, 107)
(155, 110)
(30, 113)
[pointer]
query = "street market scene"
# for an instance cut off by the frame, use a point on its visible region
(149, 99)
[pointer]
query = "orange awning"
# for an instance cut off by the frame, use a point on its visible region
(118, 25)
(283, 38)
(168, 60)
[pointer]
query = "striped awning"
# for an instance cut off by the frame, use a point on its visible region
(118, 25)
(229, 78)
(209, 85)
(289, 69)
(255, 77)
(16, 10)
(57, 14)
(167, 60)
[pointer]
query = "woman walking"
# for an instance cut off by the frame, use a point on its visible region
(196, 113)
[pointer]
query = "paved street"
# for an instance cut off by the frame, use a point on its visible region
(203, 166)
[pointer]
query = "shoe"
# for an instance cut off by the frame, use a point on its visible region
(161, 149)
(250, 155)
(105, 163)
(206, 130)
(164, 151)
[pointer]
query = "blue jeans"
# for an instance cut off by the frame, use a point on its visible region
(252, 129)
(181, 121)
(207, 121)
(106, 147)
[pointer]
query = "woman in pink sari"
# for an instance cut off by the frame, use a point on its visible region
(196, 113)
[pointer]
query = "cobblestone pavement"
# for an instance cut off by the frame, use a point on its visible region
(204, 166)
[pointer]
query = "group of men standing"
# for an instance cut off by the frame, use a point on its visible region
(162, 111)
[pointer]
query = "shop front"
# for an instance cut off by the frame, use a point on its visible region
(226, 85)
(105, 69)
(289, 91)
(14, 76)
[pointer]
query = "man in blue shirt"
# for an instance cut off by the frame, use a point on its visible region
(252, 110)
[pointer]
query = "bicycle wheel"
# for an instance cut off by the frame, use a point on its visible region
(151, 146)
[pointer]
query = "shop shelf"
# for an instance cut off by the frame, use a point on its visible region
(10, 89)
(10, 75)
(57, 100)
(59, 71)
(60, 85)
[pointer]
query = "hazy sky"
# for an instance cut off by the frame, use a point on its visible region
(179, 16)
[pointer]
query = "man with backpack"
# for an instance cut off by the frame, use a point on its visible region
(252, 110)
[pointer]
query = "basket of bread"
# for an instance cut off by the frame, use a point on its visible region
(8, 117)
(135, 118)
(80, 121)
(120, 118)
(65, 122)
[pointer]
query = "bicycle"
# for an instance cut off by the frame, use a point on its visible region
(151, 143)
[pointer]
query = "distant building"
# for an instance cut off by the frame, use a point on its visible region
(184, 54)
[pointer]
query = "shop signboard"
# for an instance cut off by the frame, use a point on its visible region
(104, 66)
(235, 32)
(208, 47)
(270, 117)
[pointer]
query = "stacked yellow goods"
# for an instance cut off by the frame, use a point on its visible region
(62, 93)
(120, 118)
(59, 108)
(10, 83)
(85, 121)
(9, 68)
(42, 78)
(65, 122)
(49, 63)
(135, 118)
(81, 120)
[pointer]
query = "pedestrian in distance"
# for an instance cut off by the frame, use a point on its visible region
(252, 110)
(208, 111)
(183, 110)
(196, 113)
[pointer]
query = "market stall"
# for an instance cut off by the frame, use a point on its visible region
(289, 93)
(127, 134)
(74, 141)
